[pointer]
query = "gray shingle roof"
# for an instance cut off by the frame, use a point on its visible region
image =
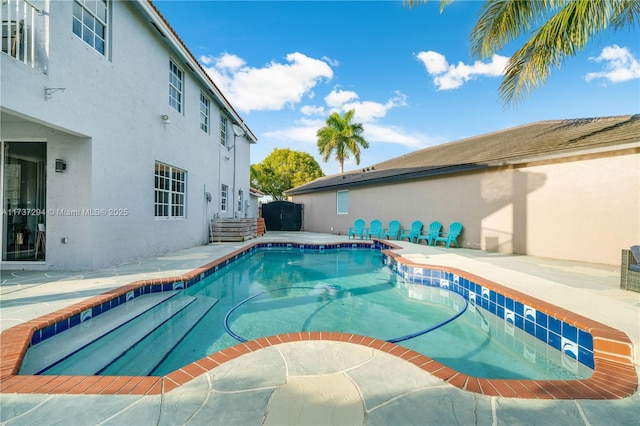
(539, 140)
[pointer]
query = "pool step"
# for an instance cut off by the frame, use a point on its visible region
(148, 353)
(64, 344)
(92, 359)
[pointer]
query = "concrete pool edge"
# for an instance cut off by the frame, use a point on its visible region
(614, 374)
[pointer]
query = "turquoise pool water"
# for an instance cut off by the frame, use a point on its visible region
(275, 291)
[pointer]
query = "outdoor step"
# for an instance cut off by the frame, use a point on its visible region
(62, 345)
(93, 358)
(138, 362)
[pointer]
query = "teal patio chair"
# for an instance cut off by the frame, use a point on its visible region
(374, 230)
(430, 237)
(357, 229)
(392, 231)
(452, 236)
(413, 233)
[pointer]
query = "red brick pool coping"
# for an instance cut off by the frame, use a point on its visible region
(614, 374)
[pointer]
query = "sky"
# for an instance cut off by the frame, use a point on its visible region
(285, 66)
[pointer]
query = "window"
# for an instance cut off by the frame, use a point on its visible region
(223, 130)
(224, 191)
(90, 22)
(170, 189)
(175, 86)
(204, 113)
(343, 202)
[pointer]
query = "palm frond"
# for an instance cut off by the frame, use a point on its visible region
(562, 35)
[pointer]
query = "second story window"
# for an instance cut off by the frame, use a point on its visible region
(223, 130)
(204, 113)
(90, 22)
(175, 86)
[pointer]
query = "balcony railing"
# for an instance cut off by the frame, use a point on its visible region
(24, 29)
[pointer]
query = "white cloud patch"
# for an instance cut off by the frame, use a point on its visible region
(312, 110)
(272, 87)
(365, 111)
(338, 97)
(619, 63)
(446, 76)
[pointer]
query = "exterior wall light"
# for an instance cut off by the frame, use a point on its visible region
(165, 118)
(61, 166)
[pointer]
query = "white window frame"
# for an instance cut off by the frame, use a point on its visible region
(204, 113)
(223, 129)
(170, 192)
(176, 86)
(89, 19)
(342, 202)
(224, 194)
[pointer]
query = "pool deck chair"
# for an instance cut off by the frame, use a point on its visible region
(374, 230)
(392, 231)
(357, 229)
(430, 237)
(413, 233)
(452, 236)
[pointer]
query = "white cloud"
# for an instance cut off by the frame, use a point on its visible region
(338, 97)
(312, 110)
(272, 87)
(365, 111)
(619, 63)
(447, 77)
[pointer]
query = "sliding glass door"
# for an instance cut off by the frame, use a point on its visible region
(24, 201)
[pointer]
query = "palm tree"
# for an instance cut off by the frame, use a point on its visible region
(342, 136)
(564, 27)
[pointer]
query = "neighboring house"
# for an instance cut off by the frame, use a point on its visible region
(564, 189)
(115, 143)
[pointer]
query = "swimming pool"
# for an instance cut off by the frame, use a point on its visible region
(285, 290)
(614, 374)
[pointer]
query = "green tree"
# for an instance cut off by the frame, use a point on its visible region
(557, 29)
(342, 136)
(284, 169)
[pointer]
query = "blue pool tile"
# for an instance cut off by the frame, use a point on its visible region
(48, 332)
(62, 325)
(509, 304)
(529, 327)
(519, 308)
(74, 320)
(555, 325)
(541, 333)
(500, 300)
(96, 310)
(585, 357)
(500, 312)
(36, 338)
(570, 332)
(555, 340)
(519, 321)
(541, 319)
(585, 339)
(493, 308)
(484, 302)
(464, 283)
(493, 296)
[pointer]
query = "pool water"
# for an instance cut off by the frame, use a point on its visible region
(276, 291)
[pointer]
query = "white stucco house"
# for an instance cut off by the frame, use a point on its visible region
(115, 143)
